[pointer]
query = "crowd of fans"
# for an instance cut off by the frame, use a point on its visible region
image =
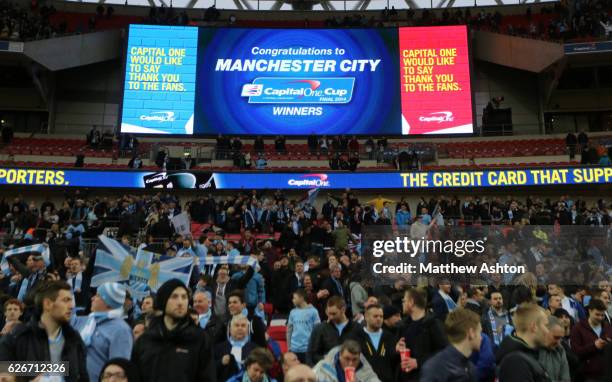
(591, 152)
(340, 326)
(19, 23)
(562, 21)
(34, 23)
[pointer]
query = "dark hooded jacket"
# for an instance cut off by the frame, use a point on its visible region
(518, 362)
(183, 354)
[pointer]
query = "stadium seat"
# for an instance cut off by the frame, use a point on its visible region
(278, 333)
(282, 345)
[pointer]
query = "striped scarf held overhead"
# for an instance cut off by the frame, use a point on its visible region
(231, 259)
(43, 249)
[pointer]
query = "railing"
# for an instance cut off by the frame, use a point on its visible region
(423, 150)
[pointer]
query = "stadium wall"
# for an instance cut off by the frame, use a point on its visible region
(87, 96)
(520, 92)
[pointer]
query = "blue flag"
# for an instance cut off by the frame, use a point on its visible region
(142, 271)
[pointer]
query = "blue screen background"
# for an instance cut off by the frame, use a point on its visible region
(375, 104)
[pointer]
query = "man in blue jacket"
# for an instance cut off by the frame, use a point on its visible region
(255, 290)
(452, 364)
(104, 332)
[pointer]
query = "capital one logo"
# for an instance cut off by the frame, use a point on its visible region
(438, 116)
(159, 116)
(310, 180)
(251, 90)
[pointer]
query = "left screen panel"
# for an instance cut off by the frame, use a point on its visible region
(160, 78)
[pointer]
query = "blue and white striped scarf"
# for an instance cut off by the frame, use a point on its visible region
(232, 259)
(43, 249)
(94, 319)
(23, 289)
(78, 282)
(25, 284)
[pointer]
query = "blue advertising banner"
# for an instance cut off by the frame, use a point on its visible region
(338, 180)
(425, 179)
(588, 47)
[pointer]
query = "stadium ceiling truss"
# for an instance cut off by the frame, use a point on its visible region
(315, 5)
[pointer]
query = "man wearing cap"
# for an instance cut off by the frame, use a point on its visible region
(174, 348)
(104, 332)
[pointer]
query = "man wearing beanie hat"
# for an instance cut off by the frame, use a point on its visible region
(391, 320)
(174, 348)
(104, 332)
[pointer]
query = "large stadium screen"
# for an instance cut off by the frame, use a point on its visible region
(208, 81)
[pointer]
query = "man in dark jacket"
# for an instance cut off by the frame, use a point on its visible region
(392, 320)
(236, 304)
(589, 338)
(421, 332)
(281, 279)
(442, 302)
(334, 283)
(452, 364)
(377, 345)
(173, 348)
(48, 337)
(496, 319)
(518, 355)
(475, 300)
(32, 272)
(206, 319)
(223, 286)
(331, 333)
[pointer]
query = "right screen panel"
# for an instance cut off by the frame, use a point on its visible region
(435, 80)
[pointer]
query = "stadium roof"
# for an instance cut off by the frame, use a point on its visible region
(326, 5)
